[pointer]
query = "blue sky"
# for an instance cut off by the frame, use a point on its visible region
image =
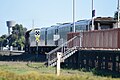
(49, 12)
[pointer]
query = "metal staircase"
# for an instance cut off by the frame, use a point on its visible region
(66, 52)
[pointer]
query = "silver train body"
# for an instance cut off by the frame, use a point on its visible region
(47, 34)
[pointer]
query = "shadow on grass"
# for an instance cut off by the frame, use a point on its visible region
(106, 73)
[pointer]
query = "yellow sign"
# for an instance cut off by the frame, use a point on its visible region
(37, 38)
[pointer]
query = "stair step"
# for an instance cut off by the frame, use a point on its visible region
(54, 61)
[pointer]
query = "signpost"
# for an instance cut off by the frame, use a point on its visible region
(58, 63)
(118, 13)
(37, 36)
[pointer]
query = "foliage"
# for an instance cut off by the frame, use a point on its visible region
(33, 75)
(83, 69)
(16, 39)
(3, 40)
(18, 30)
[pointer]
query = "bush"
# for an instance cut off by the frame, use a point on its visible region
(83, 69)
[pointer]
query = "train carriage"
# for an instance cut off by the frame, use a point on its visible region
(47, 35)
(51, 31)
(43, 36)
(82, 25)
(63, 30)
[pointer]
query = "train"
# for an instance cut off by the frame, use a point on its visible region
(52, 37)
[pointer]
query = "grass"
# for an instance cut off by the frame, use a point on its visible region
(38, 71)
(23, 67)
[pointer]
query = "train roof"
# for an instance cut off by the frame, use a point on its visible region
(82, 22)
(44, 28)
(33, 30)
(65, 24)
(52, 27)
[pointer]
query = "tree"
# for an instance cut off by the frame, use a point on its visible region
(3, 41)
(19, 30)
(16, 39)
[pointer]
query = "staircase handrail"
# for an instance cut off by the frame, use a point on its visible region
(58, 48)
(54, 50)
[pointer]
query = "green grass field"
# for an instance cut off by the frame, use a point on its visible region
(38, 71)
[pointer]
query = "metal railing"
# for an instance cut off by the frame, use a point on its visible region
(65, 49)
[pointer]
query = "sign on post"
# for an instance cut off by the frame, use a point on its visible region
(37, 35)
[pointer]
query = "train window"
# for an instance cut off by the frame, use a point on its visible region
(56, 31)
(70, 29)
(87, 28)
